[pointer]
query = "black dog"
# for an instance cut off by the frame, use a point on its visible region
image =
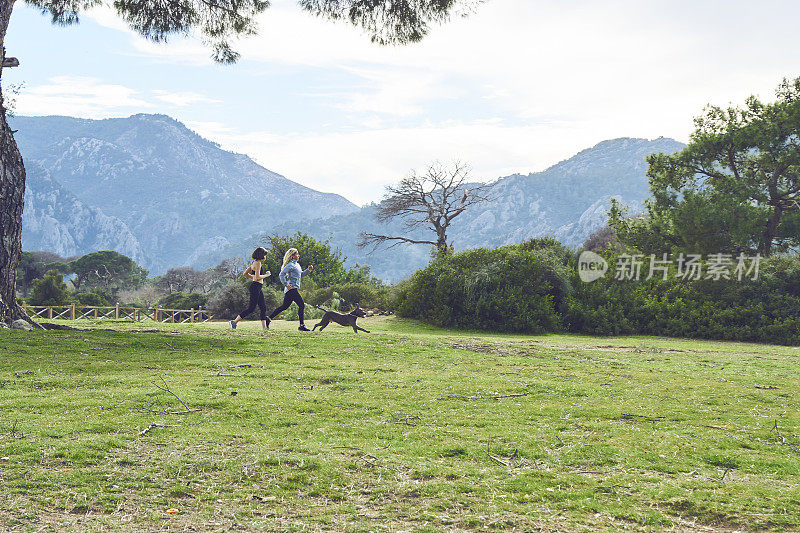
(341, 319)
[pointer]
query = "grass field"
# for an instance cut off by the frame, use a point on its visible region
(201, 428)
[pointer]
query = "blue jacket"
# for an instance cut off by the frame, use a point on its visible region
(291, 274)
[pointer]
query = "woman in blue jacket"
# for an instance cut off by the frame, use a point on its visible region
(290, 276)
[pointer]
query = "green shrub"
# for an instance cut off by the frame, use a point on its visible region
(50, 290)
(228, 300)
(310, 313)
(363, 294)
(534, 287)
(349, 294)
(512, 288)
(97, 299)
(762, 310)
(182, 300)
(326, 297)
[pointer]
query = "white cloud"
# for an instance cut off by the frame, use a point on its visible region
(80, 97)
(558, 77)
(88, 97)
(530, 59)
(183, 99)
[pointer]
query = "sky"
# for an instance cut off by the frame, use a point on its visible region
(513, 88)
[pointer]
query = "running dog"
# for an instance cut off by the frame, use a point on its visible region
(340, 318)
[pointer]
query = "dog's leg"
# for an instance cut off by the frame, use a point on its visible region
(323, 322)
(362, 329)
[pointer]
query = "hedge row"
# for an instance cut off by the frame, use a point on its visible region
(534, 287)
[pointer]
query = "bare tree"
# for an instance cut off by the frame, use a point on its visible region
(145, 296)
(602, 239)
(230, 268)
(184, 278)
(429, 200)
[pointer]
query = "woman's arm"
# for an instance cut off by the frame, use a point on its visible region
(282, 275)
(249, 268)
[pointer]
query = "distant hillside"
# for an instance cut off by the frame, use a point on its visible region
(58, 222)
(567, 201)
(150, 188)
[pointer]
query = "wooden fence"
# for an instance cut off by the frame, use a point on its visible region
(116, 312)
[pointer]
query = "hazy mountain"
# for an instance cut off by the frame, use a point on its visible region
(58, 222)
(567, 201)
(148, 187)
(154, 190)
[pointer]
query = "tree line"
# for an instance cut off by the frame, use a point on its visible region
(107, 277)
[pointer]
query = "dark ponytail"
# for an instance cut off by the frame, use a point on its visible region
(259, 254)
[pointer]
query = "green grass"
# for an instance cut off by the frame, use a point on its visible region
(393, 430)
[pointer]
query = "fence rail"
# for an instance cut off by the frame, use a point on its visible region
(116, 312)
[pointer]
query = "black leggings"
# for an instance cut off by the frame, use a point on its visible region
(256, 298)
(290, 296)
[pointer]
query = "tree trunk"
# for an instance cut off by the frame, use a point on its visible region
(12, 196)
(769, 233)
(441, 241)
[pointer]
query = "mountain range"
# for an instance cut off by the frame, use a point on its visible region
(147, 187)
(568, 201)
(150, 188)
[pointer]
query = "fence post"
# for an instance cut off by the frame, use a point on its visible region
(95, 312)
(155, 314)
(72, 312)
(50, 312)
(191, 318)
(173, 317)
(116, 312)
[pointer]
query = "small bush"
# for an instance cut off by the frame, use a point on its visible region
(96, 299)
(397, 293)
(762, 310)
(512, 288)
(229, 300)
(365, 295)
(145, 296)
(310, 313)
(535, 287)
(349, 294)
(326, 297)
(50, 290)
(182, 300)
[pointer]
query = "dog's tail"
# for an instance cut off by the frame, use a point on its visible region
(320, 307)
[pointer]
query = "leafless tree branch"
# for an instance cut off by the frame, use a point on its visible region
(431, 199)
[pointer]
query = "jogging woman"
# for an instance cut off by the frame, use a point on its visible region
(290, 276)
(256, 296)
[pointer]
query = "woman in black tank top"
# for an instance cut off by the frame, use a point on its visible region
(256, 295)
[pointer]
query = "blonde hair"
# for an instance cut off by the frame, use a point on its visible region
(288, 255)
